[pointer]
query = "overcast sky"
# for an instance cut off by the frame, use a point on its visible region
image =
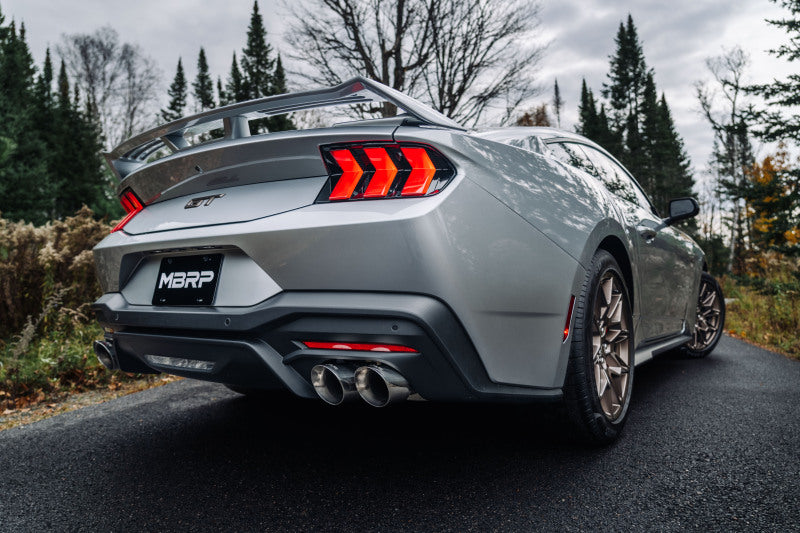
(677, 36)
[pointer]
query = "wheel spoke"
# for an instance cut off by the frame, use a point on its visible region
(623, 364)
(708, 301)
(606, 288)
(597, 345)
(617, 394)
(601, 379)
(616, 335)
(617, 370)
(614, 311)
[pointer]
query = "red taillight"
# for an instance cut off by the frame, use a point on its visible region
(360, 346)
(132, 206)
(383, 170)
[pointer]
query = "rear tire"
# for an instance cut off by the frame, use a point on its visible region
(710, 320)
(599, 379)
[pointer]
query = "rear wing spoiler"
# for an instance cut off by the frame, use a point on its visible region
(133, 153)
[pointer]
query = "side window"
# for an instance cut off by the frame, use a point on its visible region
(616, 179)
(572, 155)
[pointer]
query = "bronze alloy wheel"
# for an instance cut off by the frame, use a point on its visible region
(709, 312)
(710, 319)
(611, 345)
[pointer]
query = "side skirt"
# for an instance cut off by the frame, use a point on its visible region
(646, 353)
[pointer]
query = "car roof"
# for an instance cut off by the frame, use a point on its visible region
(519, 132)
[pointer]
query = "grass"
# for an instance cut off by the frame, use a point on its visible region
(52, 366)
(765, 312)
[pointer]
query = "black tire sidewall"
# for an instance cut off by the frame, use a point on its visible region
(582, 401)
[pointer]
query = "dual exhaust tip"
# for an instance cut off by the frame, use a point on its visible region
(377, 385)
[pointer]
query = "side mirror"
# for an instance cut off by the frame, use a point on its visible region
(681, 209)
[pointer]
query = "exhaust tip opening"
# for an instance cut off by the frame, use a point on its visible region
(371, 386)
(333, 384)
(380, 386)
(105, 354)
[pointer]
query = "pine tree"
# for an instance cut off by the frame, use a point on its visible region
(605, 136)
(558, 103)
(77, 140)
(652, 169)
(234, 88)
(626, 76)
(53, 165)
(25, 189)
(665, 169)
(222, 96)
(780, 121)
(177, 96)
(279, 122)
(203, 87)
(257, 63)
(44, 84)
(63, 87)
(594, 125)
(641, 133)
(587, 113)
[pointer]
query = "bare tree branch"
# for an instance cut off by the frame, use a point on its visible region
(469, 59)
(118, 81)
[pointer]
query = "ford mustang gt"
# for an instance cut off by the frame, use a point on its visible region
(399, 258)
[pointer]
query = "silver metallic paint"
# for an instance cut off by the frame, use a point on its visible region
(504, 245)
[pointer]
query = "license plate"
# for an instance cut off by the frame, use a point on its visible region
(187, 280)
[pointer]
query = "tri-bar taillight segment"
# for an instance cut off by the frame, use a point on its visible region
(132, 206)
(374, 170)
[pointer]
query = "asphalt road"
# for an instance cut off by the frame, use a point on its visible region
(711, 444)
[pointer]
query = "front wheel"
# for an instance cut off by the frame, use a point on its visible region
(600, 372)
(710, 318)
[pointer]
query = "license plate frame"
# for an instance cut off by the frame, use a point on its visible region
(187, 280)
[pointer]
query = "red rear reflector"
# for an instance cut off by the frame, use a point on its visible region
(385, 172)
(422, 171)
(351, 175)
(569, 318)
(132, 207)
(314, 345)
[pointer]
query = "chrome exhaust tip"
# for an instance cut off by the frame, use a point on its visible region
(104, 351)
(379, 386)
(334, 383)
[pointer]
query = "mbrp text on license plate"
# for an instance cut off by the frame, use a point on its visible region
(187, 280)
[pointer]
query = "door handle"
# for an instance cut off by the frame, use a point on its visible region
(647, 233)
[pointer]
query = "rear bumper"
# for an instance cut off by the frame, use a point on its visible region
(258, 346)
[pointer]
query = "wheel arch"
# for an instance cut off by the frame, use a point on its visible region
(609, 235)
(613, 245)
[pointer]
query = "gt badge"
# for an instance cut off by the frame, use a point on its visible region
(203, 200)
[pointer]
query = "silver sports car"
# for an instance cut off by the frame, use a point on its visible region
(396, 258)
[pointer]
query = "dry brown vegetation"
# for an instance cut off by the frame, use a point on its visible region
(47, 282)
(766, 306)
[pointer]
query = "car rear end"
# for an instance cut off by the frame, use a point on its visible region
(331, 262)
